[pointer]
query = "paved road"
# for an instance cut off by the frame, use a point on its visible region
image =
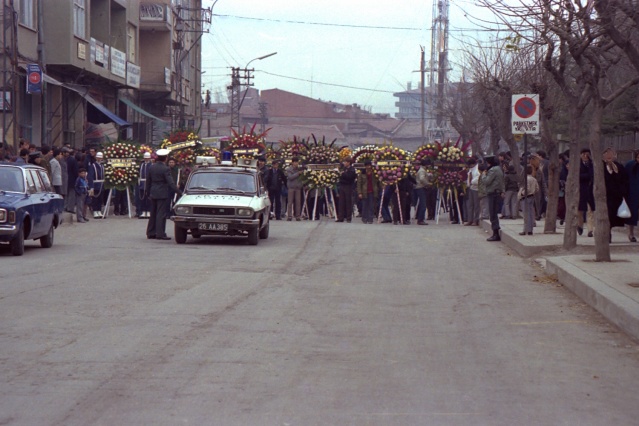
(321, 324)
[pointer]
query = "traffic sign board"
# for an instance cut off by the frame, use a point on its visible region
(525, 114)
(34, 78)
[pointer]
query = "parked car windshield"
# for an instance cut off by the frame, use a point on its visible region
(220, 181)
(11, 179)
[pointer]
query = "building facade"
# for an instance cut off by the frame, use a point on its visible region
(117, 68)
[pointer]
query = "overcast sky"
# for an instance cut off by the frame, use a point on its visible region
(345, 51)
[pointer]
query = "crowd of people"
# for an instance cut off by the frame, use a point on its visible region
(491, 189)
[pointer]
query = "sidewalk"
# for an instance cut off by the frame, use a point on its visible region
(612, 288)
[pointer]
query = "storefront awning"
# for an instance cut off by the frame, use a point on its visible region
(140, 110)
(83, 91)
(104, 110)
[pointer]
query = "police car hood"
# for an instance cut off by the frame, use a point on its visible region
(224, 200)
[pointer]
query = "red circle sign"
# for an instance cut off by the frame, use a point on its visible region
(525, 107)
(34, 78)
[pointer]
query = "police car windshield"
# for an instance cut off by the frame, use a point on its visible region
(222, 182)
(11, 179)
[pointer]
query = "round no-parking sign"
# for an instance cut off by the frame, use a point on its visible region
(525, 114)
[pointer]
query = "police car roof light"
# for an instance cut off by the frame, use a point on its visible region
(205, 161)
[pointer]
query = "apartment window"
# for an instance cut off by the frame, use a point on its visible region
(27, 13)
(131, 41)
(79, 18)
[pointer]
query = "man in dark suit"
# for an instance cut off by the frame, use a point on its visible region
(158, 183)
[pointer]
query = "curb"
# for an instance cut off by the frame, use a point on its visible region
(618, 308)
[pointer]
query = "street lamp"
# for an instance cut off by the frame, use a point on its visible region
(248, 77)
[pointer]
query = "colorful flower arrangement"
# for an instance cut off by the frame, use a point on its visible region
(319, 152)
(121, 149)
(120, 169)
(248, 141)
(450, 154)
(207, 152)
(428, 151)
(363, 153)
(179, 135)
(184, 157)
(390, 174)
(145, 148)
(294, 148)
(345, 152)
(320, 178)
(449, 178)
(449, 163)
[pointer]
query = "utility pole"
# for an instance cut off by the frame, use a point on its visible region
(236, 85)
(422, 70)
(239, 78)
(439, 67)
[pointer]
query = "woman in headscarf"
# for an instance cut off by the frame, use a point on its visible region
(616, 186)
(632, 169)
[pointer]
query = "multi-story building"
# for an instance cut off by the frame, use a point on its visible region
(131, 66)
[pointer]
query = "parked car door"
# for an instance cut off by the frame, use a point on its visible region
(38, 203)
(51, 199)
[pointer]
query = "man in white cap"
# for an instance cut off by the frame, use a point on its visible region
(142, 201)
(96, 185)
(158, 185)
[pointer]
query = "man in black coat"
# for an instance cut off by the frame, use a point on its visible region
(586, 193)
(275, 181)
(347, 179)
(158, 184)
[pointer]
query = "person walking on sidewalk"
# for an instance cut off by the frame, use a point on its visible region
(527, 197)
(616, 181)
(586, 193)
(494, 182)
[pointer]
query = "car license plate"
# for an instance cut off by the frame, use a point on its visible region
(213, 226)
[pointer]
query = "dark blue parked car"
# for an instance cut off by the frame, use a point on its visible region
(29, 207)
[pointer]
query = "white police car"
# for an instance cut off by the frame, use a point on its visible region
(223, 199)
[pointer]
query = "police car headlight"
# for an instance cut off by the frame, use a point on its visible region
(183, 210)
(3, 215)
(245, 212)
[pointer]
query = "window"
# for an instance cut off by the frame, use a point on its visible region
(27, 13)
(33, 182)
(131, 39)
(46, 182)
(79, 18)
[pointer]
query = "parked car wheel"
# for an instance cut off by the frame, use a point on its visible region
(264, 232)
(17, 244)
(253, 236)
(47, 240)
(180, 234)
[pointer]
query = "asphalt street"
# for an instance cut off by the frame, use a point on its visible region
(322, 324)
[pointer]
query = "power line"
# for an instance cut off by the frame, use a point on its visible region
(328, 24)
(319, 23)
(326, 84)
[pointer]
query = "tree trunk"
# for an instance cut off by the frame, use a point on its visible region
(602, 224)
(550, 225)
(572, 183)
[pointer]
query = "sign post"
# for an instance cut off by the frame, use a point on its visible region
(525, 120)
